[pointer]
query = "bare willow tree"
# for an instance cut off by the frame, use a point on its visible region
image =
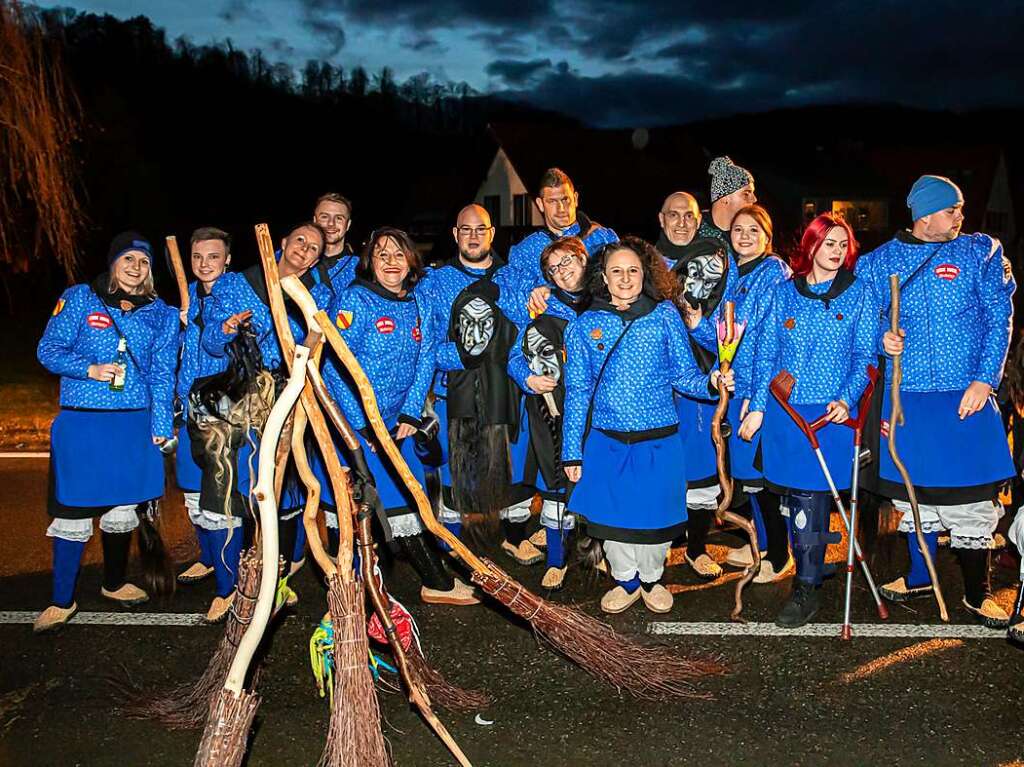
(39, 123)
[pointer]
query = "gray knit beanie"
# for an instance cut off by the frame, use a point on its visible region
(727, 177)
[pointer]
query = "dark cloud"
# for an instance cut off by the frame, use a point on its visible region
(502, 43)
(423, 42)
(517, 73)
(242, 10)
(332, 35)
(441, 13)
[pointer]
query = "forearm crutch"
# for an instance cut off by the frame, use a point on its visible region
(782, 388)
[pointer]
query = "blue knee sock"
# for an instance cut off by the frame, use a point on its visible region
(226, 554)
(300, 542)
(762, 532)
(556, 546)
(918, 575)
(67, 560)
(455, 528)
(205, 549)
(631, 585)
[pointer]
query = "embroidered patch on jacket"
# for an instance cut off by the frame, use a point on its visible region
(884, 430)
(947, 272)
(343, 320)
(99, 320)
(58, 308)
(596, 334)
(789, 324)
(385, 325)
(417, 334)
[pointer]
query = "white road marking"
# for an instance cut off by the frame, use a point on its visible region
(113, 619)
(827, 630)
(23, 454)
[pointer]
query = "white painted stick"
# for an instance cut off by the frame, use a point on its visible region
(268, 523)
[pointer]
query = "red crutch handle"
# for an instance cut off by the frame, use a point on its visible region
(781, 393)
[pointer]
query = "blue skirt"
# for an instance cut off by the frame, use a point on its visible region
(695, 417)
(742, 453)
(789, 461)
(941, 451)
(188, 475)
(104, 458)
(633, 493)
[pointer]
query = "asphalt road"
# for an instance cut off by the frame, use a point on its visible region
(787, 700)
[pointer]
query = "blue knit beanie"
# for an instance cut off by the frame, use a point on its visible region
(932, 193)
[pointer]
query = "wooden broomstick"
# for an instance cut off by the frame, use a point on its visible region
(354, 734)
(645, 672)
(179, 275)
(729, 336)
(232, 711)
(337, 750)
(896, 418)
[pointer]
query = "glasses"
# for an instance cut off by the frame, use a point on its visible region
(565, 263)
(384, 257)
(479, 231)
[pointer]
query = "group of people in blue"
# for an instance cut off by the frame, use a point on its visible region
(580, 375)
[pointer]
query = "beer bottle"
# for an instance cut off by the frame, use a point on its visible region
(117, 382)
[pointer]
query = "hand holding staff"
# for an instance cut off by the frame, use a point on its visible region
(896, 418)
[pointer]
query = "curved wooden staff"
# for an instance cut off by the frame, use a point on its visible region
(896, 417)
(729, 336)
(179, 275)
(232, 711)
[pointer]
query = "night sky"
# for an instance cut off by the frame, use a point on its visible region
(627, 64)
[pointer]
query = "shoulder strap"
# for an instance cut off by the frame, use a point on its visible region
(597, 382)
(918, 270)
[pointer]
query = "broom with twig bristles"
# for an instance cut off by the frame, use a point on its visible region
(354, 735)
(649, 672)
(231, 712)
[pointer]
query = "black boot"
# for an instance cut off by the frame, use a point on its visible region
(974, 565)
(1016, 628)
(801, 607)
(116, 547)
(426, 561)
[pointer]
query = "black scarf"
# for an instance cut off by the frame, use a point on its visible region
(643, 306)
(670, 250)
(115, 298)
(578, 302)
(843, 279)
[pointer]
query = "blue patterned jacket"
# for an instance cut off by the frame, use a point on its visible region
(635, 390)
(82, 332)
(825, 335)
(437, 292)
(956, 306)
(342, 268)
(194, 361)
(749, 287)
(394, 342)
(237, 291)
(524, 256)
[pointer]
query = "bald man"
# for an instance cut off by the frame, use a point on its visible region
(476, 289)
(700, 265)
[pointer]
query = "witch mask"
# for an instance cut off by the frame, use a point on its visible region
(476, 326)
(541, 354)
(703, 273)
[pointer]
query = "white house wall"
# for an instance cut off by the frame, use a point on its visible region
(503, 181)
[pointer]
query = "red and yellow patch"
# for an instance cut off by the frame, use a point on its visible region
(58, 308)
(343, 320)
(597, 334)
(789, 324)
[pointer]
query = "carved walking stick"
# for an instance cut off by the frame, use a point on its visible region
(729, 335)
(179, 275)
(896, 417)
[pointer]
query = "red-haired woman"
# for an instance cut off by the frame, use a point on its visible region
(822, 328)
